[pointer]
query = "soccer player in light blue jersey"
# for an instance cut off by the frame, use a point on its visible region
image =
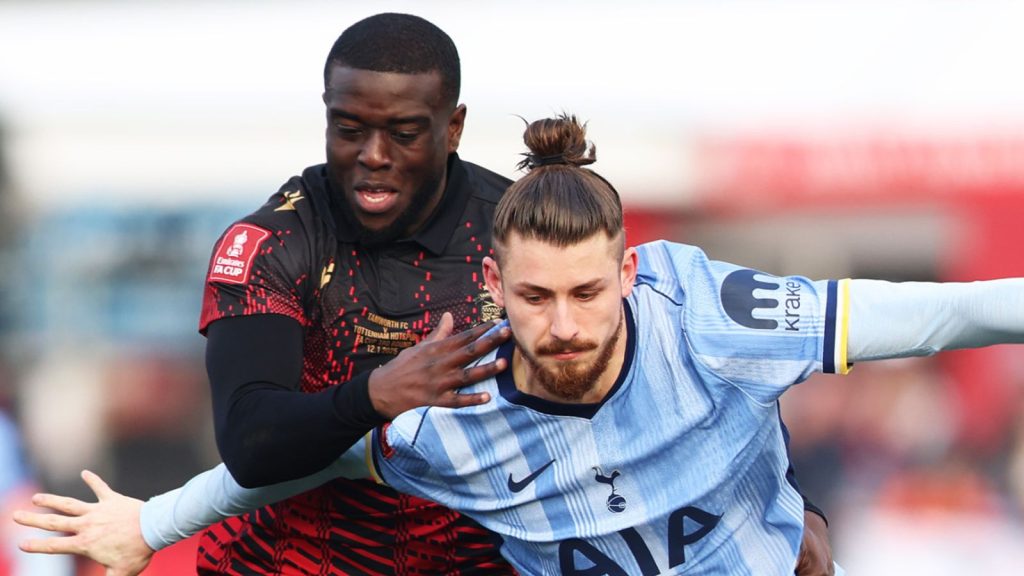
(636, 431)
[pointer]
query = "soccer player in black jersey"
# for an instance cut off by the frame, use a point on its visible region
(312, 307)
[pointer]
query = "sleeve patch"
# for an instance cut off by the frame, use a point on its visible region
(385, 448)
(232, 262)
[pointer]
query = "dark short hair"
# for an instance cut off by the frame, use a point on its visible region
(402, 43)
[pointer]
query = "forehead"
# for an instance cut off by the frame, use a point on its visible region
(353, 89)
(529, 261)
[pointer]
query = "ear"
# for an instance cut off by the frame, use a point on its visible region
(492, 279)
(455, 123)
(630, 262)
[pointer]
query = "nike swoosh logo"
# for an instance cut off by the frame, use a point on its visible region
(517, 486)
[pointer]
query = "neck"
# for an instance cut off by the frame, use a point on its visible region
(428, 210)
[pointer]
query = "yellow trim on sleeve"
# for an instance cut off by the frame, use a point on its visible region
(368, 454)
(844, 325)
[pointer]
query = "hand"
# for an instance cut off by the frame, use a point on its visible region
(431, 372)
(107, 531)
(815, 550)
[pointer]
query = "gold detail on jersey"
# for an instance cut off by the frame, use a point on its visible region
(384, 341)
(325, 274)
(387, 323)
(290, 198)
(488, 309)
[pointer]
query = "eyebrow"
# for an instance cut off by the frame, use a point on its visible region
(528, 287)
(339, 113)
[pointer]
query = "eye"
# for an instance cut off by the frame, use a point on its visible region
(533, 299)
(405, 136)
(346, 131)
(585, 296)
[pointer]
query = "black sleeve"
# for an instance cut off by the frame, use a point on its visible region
(267, 431)
(791, 476)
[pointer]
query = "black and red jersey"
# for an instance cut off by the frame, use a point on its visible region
(359, 306)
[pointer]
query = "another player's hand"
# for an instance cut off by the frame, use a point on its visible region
(107, 531)
(431, 372)
(815, 550)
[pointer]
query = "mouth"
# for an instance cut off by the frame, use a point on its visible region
(566, 354)
(375, 198)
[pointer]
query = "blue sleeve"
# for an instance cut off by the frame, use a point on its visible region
(398, 462)
(760, 332)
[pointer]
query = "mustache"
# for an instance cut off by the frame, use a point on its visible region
(560, 347)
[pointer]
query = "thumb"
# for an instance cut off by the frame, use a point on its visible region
(98, 486)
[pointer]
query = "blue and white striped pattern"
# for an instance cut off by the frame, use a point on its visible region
(691, 428)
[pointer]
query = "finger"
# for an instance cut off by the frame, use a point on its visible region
(484, 344)
(98, 486)
(464, 347)
(464, 400)
(475, 374)
(62, 545)
(51, 522)
(456, 341)
(62, 504)
(443, 330)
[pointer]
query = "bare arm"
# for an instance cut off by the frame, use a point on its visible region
(122, 533)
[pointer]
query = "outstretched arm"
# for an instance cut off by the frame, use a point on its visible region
(106, 531)
(892, 320)
(122, 533)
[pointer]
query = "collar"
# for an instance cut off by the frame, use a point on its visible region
(507, 386)
(436, 232)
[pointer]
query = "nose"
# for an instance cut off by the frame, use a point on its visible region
(375, 153)
(563, 322)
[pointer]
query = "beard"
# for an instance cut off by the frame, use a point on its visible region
(571, 380)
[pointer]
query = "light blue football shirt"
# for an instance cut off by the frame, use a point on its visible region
(679, 470)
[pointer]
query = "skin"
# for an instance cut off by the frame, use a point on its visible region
(387, 140)
(815, 550)
(574, 293)
(107, 530)
(545, 307)
(561, 296)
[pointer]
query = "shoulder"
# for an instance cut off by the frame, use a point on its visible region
(289, 225)
(484, 184)
(300, 201)
(296, 214)
(413, 422)
(670, 268)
